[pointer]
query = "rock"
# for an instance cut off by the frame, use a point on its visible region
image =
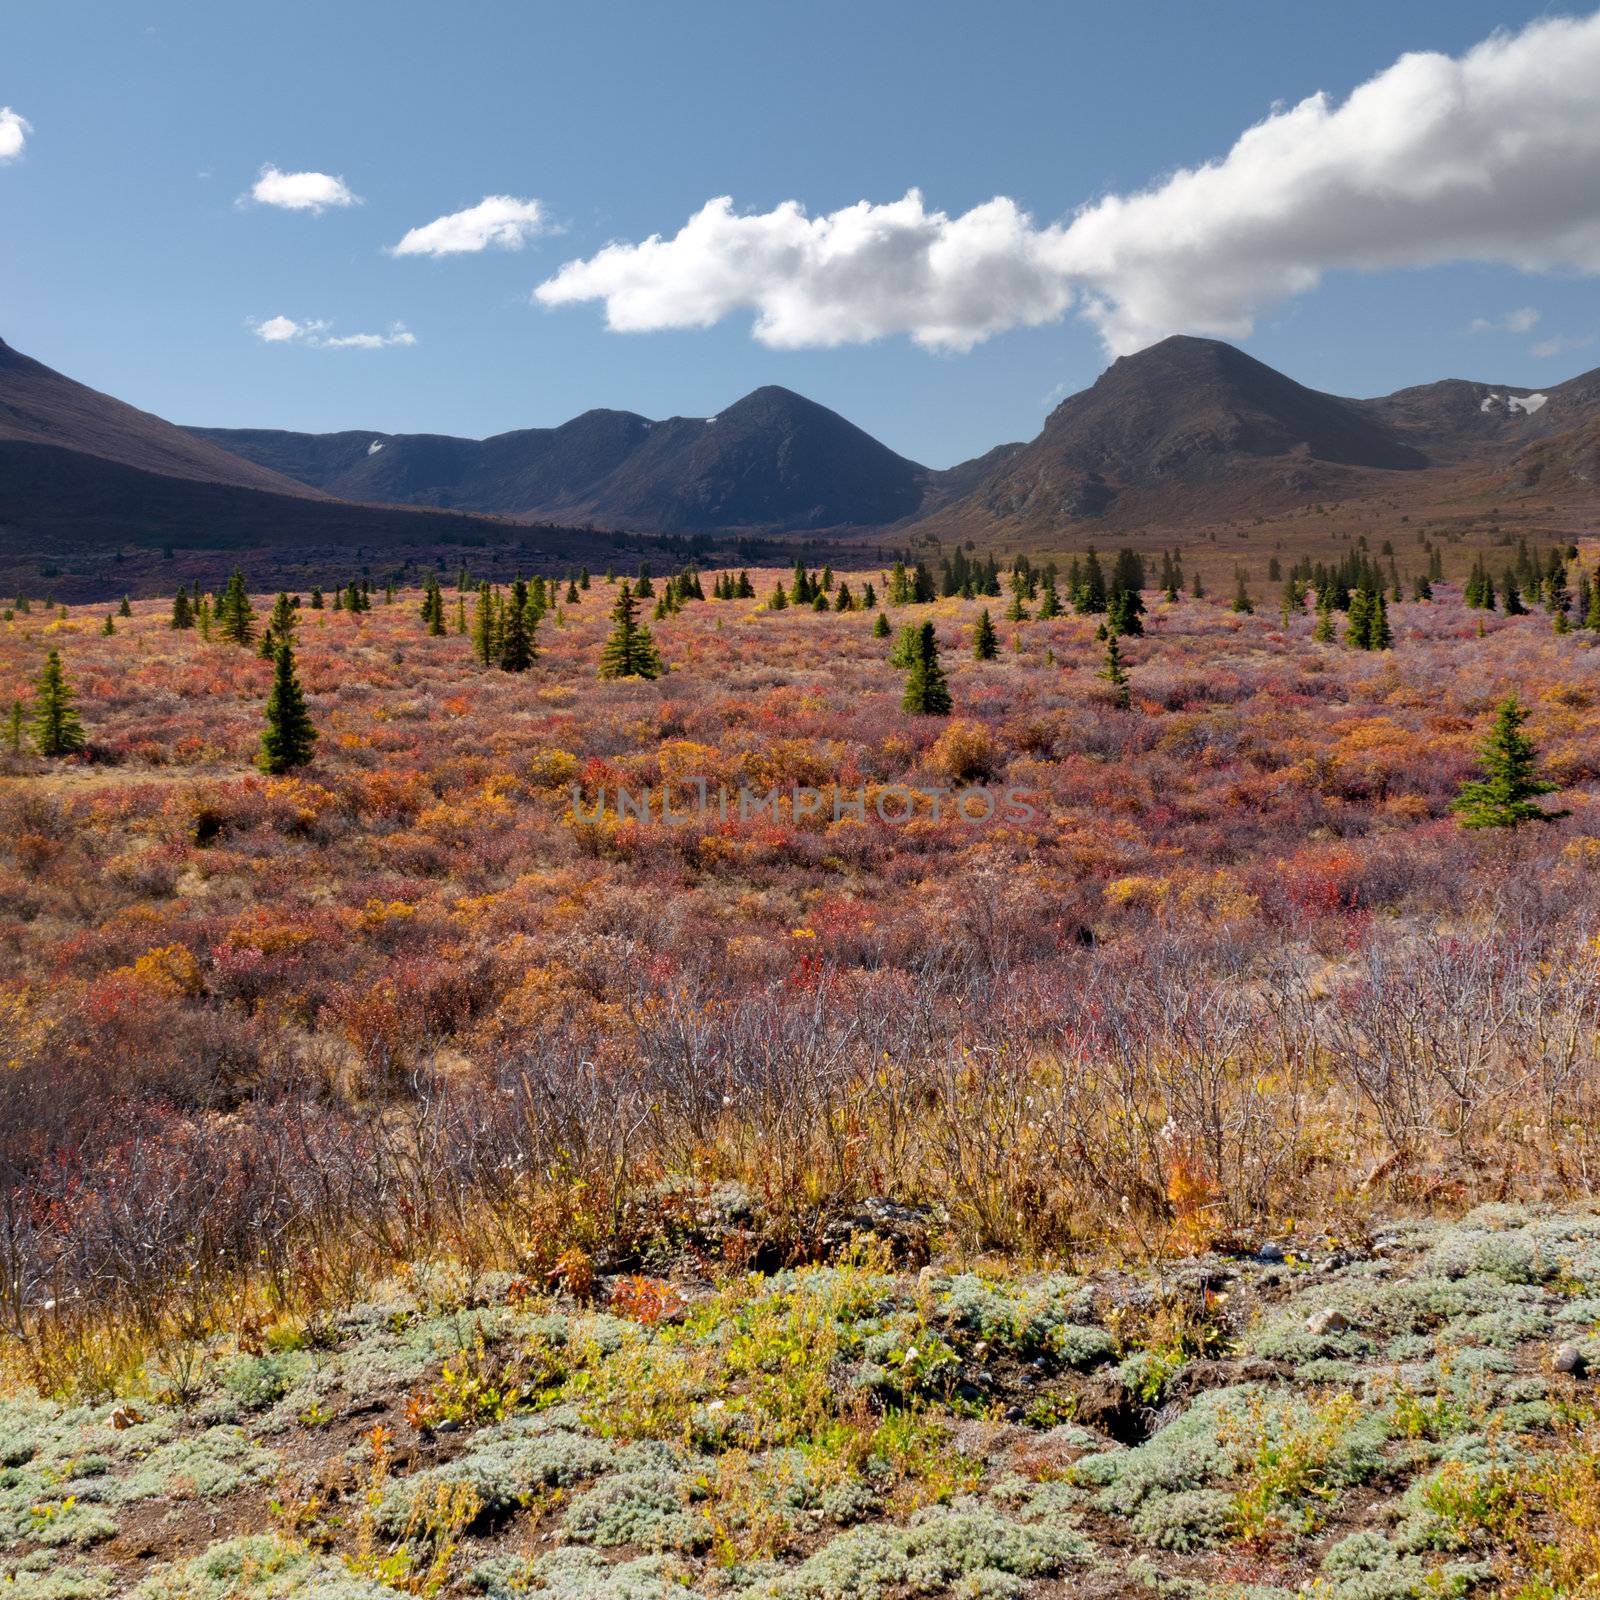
(1328, 1320)
(1270, 1252)
(1568, 1358)
(125, 1417)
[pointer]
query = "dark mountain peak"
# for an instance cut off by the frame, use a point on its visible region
(41, 407)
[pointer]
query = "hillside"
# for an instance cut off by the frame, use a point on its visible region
(41, 407)
(83, 475)
(773, 460)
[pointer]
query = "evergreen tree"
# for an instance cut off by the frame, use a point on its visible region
(1378, 635)
(284, 622)
(645, 590)
(56, 728)
(290, 736)
(985, 646)
(316, 599)
(1591, 617)
(880, 628)
(517, 650)
(904, 650)
(110, 625)
(926, 693)
(899, 586)
(1115, 673)
(124, 609)
(573, 597)
(869, 597)
(1358, 620)
(800, 591)
(843, 601)
(432, 607)
(1503, 797)
(483, 640)
(1089, 593)
(14, 721)
(1050, 603)
(235, 618)
(182, 611)
(779, 600)
(1322, 633)
(1422, 588)
(746, 589)
(629, 651)
(1122, 612)
(1241, 596)
(1016, 611)
(820, 600)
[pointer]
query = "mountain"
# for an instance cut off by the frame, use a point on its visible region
(773, 460)
(1192, 431)
(42, 408)
(83, 472)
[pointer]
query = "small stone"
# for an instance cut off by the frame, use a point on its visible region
(449, 1425)
(1328, 1320)
(1270, 1252)
(1568, 1358)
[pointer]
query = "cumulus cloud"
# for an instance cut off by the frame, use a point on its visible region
(14, 131)
(285, 330)
(1487, 157)
(498, 220)
(301, 191)
(857, 274)
(1522, 320)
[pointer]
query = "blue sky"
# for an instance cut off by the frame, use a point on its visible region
(128, 261)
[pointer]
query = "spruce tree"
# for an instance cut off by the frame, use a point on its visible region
(56, 728)
(110, 626)
(880, 628)
(483, 641)
(1241, 602)
(985, 645)
(1115, 673)
(235, 619)
(124, 609)
(14, 728)
(1503, 797)
(629, 651)
(285, 620)
(779, 600)
(869, 598)
(517, 650)
(1358, 620)
(182, 611)
(1378, 635)
(926, 693)
(1591, 617)
(904, 650)
(289, 736)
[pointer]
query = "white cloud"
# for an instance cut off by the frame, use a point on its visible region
(1560, 345)
(1489, 157)
(285, 330)
(500, 220)
(301, 191)
(857, 274)
(14, 131)
(1522, 320)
